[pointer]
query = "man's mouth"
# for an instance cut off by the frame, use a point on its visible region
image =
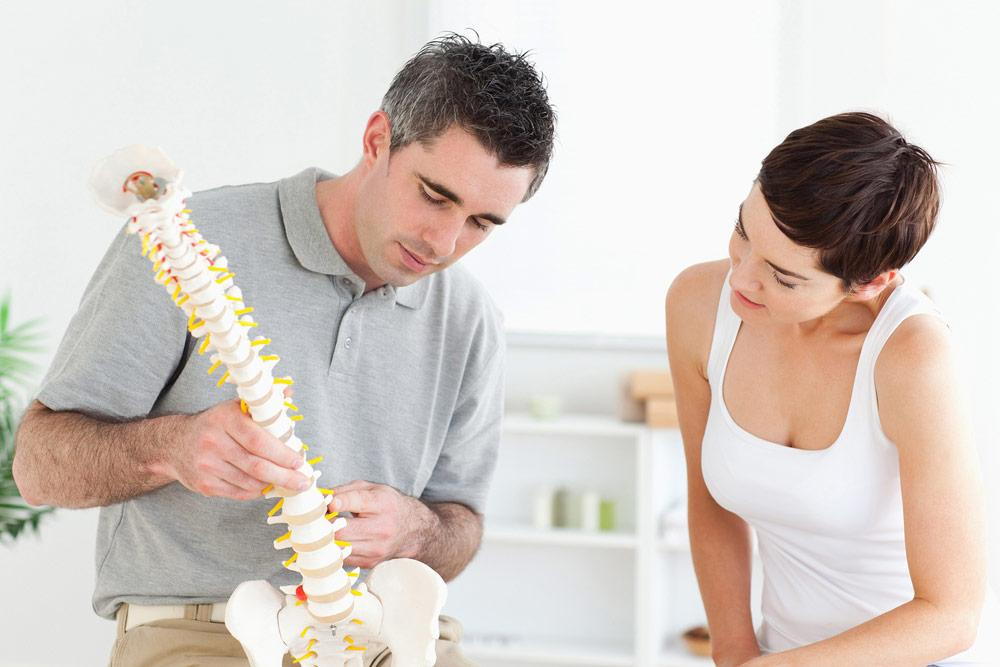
(414, 261)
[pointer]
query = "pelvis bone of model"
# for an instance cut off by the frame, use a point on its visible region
(325, 621)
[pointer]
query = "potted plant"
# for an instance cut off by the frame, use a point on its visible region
(16, 343)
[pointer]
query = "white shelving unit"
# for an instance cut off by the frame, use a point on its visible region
(572, 597)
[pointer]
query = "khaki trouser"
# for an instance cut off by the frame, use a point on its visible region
(189, 642)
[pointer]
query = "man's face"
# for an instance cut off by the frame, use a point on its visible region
(423, 207)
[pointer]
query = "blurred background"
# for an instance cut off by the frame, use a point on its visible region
(665, 111)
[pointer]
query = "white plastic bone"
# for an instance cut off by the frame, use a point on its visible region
(398, 608)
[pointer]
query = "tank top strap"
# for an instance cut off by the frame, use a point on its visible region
(727, 325)
(904, 302)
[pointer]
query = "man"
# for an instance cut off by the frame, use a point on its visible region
(397, 359)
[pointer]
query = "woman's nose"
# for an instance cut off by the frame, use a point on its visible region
(742, 276)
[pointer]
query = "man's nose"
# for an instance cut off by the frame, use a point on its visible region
(441, 236)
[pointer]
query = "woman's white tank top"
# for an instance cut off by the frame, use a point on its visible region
(829, 522)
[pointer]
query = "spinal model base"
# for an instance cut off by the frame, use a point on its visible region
(324, 621)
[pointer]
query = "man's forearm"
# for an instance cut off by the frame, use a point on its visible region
(68, 459)
(450, 539)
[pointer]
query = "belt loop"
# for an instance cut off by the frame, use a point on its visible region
(122, 618)
(204, 613)
(190, 612)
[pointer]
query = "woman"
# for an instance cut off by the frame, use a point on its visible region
(819, 405)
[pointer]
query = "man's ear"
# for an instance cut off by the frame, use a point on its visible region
(376, 139)
(874, 287)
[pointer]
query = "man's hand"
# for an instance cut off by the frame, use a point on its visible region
(222, 452)
(386, 523)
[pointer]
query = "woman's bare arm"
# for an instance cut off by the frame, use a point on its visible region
(720, 540)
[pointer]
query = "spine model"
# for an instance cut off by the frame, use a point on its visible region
(324, 620)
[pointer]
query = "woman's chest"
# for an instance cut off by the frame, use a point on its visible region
(793, 395)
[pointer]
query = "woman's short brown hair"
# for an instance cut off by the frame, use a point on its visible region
(853, 188)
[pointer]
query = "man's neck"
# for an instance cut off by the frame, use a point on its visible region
(337, 202)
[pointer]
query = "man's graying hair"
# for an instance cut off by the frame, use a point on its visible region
(496, 96)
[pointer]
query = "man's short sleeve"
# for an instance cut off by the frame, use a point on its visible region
(465, 467)
(123, 345)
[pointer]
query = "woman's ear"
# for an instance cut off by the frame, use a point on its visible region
(874, 287)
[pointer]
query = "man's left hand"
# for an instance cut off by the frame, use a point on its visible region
(385, 524)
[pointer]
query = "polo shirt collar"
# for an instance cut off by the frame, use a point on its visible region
(310, 241)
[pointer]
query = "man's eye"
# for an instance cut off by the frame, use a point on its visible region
(432, 200)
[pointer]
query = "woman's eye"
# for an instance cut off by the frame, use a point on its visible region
(782, 282)
(739, 230)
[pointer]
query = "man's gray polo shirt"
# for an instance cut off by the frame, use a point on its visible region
(397, 386)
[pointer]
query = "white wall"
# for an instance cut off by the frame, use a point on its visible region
(666, 110)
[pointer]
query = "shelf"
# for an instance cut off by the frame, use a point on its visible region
(674, 543)
(521, 534)
(583, 425)
(553, 653)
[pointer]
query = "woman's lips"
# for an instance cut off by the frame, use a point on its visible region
(747, 302)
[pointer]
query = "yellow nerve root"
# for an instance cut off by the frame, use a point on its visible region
(277, 506)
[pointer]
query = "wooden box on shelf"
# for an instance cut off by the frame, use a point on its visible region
(648, 395)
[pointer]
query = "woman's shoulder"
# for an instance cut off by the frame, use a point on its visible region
(919, 338)
(695, 291)
(920, 345)
(692, 303)
(916, 375)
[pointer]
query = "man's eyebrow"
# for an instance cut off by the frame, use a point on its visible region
(768, 262)
(448, 194)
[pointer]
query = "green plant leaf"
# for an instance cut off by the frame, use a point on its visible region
(16, 516)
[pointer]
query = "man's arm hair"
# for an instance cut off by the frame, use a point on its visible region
(452, 537)
(68, 459)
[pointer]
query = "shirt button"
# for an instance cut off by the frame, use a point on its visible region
(347, 343)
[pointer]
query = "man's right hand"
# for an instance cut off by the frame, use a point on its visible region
(222, 452)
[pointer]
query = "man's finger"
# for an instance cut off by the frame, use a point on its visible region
(357, 531)
(355, 501)
(220, 488)
(354, 485)
(267, 472)
(230, 473)
(260, 443)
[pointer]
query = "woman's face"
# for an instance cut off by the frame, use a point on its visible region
(772, 278)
